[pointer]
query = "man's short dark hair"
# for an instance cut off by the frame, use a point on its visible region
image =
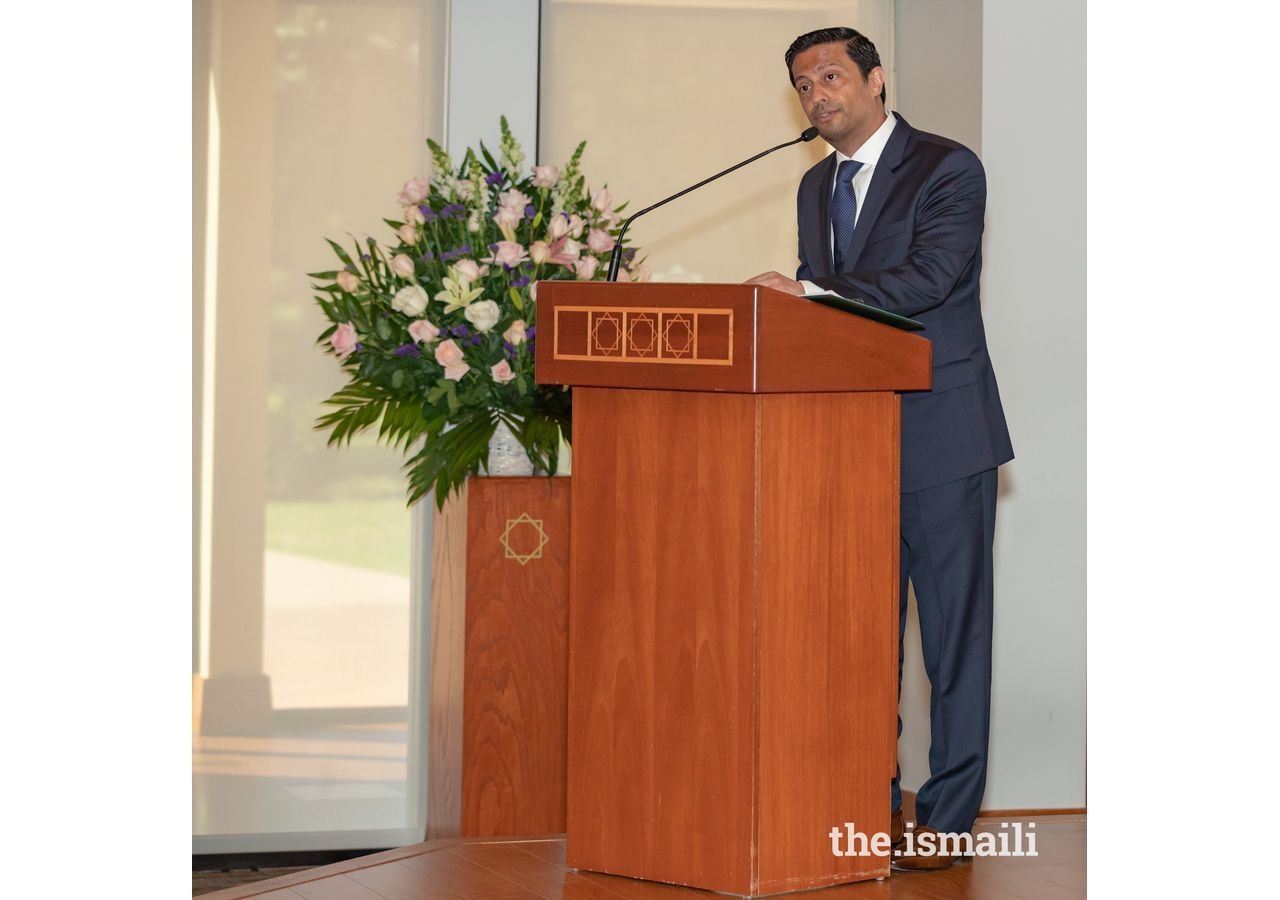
(856, 44)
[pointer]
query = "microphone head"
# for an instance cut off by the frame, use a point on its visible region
(809, 133)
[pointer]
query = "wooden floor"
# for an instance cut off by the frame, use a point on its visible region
(532, 868)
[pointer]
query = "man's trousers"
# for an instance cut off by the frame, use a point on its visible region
(947, 537)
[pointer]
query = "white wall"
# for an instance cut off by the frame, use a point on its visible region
(937, 67)
(1033, 146)
(1006, 79)
(493, 72)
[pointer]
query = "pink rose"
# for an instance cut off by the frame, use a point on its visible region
(576, 224)
(502, 372)
(585, 268)
(539, 252)
(641, 273)
(413, 216)
(343, 340)
(402, 265)
(468, 270)
(509, 254)
(545, 176)
(601, 200)
(514, 200)
(558, 227)
(515, 335)
(413, 192)
(348, 282)
(599, 241)
(448, 353)
(422, 331)
(408, 234)
(507, 218)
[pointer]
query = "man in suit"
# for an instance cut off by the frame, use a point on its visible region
(894, 218)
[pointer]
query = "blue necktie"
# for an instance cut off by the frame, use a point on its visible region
(844, 210)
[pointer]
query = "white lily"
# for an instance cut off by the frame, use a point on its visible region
(457, 293)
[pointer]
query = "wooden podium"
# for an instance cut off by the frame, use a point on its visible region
(733, 599)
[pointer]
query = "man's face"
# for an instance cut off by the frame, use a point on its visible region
(836, 98)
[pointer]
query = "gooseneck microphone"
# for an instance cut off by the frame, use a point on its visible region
(807, 135)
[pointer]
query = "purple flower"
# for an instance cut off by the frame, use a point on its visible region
(453, 211)
(529, 211)
(628, 255)
(510, 349)
(427, 212)
(476, 340)
(465, 249)
(359, 347)
(408, 350)
(495, 178)
(366, 257)
(460, 331)
(426, 257)
(520, 282)
(530, 332)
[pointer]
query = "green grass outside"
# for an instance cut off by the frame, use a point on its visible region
(371, 534)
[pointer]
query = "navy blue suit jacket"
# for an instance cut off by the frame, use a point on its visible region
(917, 251)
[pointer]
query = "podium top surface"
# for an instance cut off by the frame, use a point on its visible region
(738, 338)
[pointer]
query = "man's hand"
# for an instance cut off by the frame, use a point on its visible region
(778, 282)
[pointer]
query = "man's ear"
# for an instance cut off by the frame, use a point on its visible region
(875, 78)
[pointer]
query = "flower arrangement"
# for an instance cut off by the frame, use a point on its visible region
(437, 333)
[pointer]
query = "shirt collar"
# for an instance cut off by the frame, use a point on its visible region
(869, 153)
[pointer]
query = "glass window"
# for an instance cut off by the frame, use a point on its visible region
(308, 118)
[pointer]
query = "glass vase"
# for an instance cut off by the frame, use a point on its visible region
(507, 457)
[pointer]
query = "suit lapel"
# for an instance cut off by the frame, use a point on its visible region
(882, 182)
(822, 228)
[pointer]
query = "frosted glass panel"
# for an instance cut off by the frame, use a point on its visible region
(325, 108)
(349, 129)
(668, 93)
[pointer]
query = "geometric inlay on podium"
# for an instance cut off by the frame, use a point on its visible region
(525, 532)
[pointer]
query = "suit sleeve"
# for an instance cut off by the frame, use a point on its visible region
(803, 273)
(945, 243)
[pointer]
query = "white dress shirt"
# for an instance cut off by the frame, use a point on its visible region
(869, 155)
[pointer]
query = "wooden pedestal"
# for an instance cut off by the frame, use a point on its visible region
(734, 594)
(499, 655)
(733, 613)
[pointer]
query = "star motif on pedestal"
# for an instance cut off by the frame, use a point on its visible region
(637, 342)
(606, 326)
(677, 335)
(524, 538)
